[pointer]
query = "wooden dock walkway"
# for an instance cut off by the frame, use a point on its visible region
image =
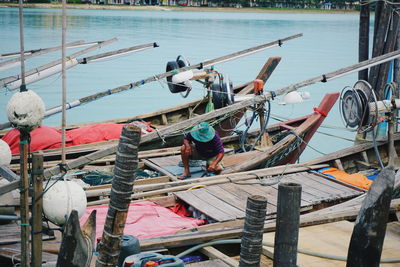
(225, 202)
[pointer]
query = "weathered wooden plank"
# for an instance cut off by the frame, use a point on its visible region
(227, 197)
(271, 195)
(219, 203)
(13, 252)
(214, 253)
(214, 263)
(331, 187)
(8, 174)
(203, 206)
(166, 161)
(158, 168)
(319, 189)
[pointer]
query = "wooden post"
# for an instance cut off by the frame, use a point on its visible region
(37, 208)
(363, 43)
(369, 231)
(121, 190)
(287, 224)
(251, 245)
(389, 47)
(24, 198)
(381, 24)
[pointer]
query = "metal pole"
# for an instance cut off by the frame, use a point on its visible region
(64, 80)
(37, 208)
(287, 224)
(251, 245)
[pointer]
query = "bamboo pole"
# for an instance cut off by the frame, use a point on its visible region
(37, 208)
(119, 52)
(7, 80)
(46, 50)
(64, 80)
(125, 165)
(33, 53)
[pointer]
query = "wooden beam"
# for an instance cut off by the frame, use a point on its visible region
(214, 253)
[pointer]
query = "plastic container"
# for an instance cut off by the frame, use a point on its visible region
(141, 259)
(130, 246)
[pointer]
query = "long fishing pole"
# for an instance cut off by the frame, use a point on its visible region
(34, 51)
(16, 61)
(201, 65)
(72, 62)
(15, 81)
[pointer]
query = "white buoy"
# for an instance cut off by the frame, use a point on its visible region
(25, 110)
(5, 154)
(61, 199)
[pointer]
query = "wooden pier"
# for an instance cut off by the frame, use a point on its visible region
(225, 202)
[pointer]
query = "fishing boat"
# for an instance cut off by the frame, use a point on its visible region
(108, 132)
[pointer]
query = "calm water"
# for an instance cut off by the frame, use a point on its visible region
(329, 43)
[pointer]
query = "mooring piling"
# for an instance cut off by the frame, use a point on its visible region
(287, 224)
(251, 245)
(121, 190)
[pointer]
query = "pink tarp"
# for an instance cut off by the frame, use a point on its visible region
(145, 219)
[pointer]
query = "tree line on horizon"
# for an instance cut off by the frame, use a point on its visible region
(299, 4)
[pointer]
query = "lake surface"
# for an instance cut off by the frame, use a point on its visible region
(330, 42)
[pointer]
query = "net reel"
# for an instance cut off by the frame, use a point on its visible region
(359, 107)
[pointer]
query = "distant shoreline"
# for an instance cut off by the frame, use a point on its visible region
(177, 8)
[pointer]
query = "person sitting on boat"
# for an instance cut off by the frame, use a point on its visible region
(202, 143)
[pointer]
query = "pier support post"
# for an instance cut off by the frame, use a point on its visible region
(251, 245)
(125, 165)
(24, 198)
(366, 242)
(363, 42)
(37, 208)
(287, 224)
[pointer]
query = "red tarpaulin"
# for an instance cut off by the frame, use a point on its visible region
(45, 137)
(145, 219)
(42, 138)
